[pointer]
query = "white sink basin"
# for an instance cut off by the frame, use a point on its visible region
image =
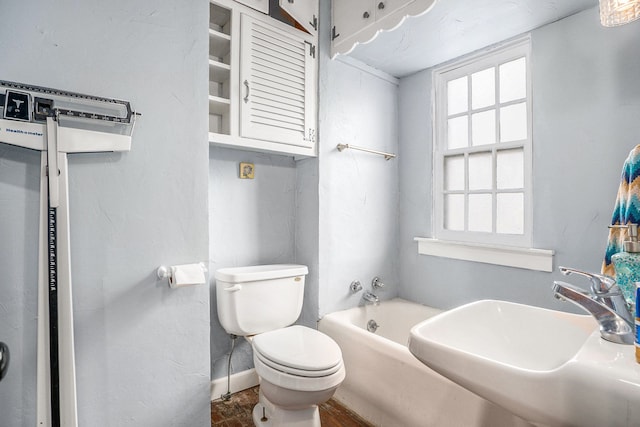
(549, 367)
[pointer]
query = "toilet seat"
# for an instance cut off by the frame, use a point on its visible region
(298, 348)
(298, 358)
(295, 371)
(297, 382)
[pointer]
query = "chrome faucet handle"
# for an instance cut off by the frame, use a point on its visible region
(376, 283)
(599, 282)
(615, 325)
(355, 286)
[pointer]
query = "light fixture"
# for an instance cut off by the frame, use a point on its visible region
(618, 12)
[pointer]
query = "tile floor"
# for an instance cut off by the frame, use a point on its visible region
(237, 412)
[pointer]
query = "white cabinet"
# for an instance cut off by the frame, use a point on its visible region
(277, 74)
(387, 7)
(259, 5)
(305, 12)
(349, 17)
(262, 82)
(359, 21)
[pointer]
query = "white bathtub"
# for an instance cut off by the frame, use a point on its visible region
(389, 387)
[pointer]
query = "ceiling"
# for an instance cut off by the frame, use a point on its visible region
(455, 27)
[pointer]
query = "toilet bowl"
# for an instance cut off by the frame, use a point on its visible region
(298, 367)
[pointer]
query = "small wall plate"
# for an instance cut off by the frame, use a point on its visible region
(246, 170)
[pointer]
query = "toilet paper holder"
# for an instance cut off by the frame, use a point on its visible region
(183, 275)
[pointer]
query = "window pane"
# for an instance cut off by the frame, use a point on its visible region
(483, 128)
(457, 96)
(510, 213)
(513, 80)
(454, 212)
(458, 132)
(480, 216)
(480, 171)
(454, 173)
(513, 122)
(510, 168)
(483, 88)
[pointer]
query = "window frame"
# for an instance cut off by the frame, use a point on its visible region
(466, 66)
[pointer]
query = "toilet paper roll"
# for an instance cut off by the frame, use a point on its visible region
(187, 275)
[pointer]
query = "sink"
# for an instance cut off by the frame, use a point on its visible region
(548, 367)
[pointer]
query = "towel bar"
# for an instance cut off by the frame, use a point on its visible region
(387, 156)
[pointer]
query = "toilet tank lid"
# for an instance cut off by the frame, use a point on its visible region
(260, 272)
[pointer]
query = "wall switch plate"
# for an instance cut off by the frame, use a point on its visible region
(246, 170)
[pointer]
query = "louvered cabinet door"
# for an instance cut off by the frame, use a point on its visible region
(277, 84)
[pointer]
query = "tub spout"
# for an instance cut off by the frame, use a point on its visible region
(371, 298)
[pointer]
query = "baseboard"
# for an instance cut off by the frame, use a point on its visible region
(240, 381)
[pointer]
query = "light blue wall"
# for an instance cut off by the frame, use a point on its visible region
(142, 350)
(358, 191)
(586, 105)
(252, 221)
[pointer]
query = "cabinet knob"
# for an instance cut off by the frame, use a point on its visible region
(365, 15)
(381, 5)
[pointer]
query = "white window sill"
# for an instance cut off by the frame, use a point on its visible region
(531, 259)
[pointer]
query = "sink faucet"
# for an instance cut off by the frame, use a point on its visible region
(371, 298)
(599, 282)
(605, 302)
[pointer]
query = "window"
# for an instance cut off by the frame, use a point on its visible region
(482, 148)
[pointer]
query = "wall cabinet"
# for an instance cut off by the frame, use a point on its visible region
(359, 21)
(277, 71)
(305, 12)
(259, 5)
(262, 82)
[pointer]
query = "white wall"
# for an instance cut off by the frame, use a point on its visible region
(142, 350)
(586, 104)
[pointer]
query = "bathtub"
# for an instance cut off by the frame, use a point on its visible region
(387, 386)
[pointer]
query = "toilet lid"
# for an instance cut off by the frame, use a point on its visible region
(293, 371)
(300, 348)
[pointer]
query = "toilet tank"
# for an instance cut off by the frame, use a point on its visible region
(259, 298)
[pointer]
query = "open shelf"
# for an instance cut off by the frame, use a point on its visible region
(220, 41)
(219, 45)
(218, 72)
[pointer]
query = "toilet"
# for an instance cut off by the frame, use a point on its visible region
(299, 367)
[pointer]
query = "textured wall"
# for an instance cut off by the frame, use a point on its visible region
(586, 102)
(142, 350)
(252, 221)
(358, 191)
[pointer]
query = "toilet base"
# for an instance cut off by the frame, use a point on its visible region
(266, 414)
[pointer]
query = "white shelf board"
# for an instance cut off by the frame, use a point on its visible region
(218, 71)
(218, 105)
(219, 44)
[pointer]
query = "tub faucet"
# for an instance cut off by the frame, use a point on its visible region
(605, 302)
(371, 298)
